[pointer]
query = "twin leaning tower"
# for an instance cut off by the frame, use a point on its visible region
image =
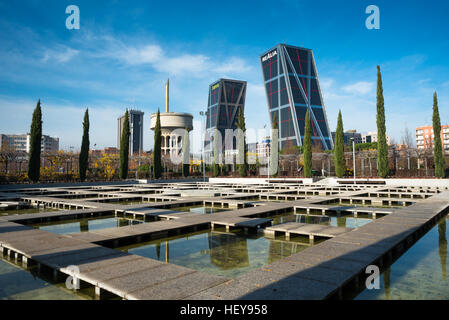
(292, 87)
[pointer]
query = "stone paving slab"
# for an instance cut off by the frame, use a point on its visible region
(342, 251)
(241, 222)
(334, 263)
(86, 266)
(89, 237)
(363, 241)
(351, 251)
(145, 278)
(52, 214)
(124, 268)
(295, 288)
(8, 227)
(285, 226)
(404, 221)
(308, 229)
(47, 245)
(74, 257)
(178, 288)
(311, 272)
(31, 234)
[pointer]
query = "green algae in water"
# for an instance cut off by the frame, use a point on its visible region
(220, 253)
(85, 225)
(20, 284)
(420, 273)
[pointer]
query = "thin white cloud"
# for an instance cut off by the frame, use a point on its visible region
(193, 65)
(154, 55)
(61, 55)
(147, 54)
(360, 88)
(233, 65)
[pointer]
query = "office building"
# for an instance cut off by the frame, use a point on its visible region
(292, 87)
(226, 98)
(136, 131)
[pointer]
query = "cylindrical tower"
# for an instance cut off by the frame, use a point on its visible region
(170, 121)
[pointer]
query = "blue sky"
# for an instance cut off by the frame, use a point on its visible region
(125, 50)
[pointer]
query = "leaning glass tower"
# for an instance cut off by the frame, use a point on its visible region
(292, 87)
(226, 98)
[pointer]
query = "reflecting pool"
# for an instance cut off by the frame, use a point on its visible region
(19, 284)
(222, 253)
(85, 225)
(420, 273)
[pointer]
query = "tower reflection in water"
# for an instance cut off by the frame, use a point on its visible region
(223, 253)
(228, 251)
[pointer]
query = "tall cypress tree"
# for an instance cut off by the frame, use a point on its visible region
(84, 153)
(243, 167)
(382, 148)
(34, 163)
(186, 154)
(157, 157)
(124, 148)
(440, 164)
(339, 148)
(307, 147)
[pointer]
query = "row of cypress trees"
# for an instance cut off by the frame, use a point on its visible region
(339, 161)
(35, 146)
(382, 147)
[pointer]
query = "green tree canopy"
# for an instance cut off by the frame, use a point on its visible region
(84, 153)
(307, 144)
(124, 148)
(382, 148)
(34, 163)
(440, 164)
(339, 148)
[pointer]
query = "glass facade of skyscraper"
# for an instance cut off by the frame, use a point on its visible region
(292, 87)
(136, 131)
(226, 98)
